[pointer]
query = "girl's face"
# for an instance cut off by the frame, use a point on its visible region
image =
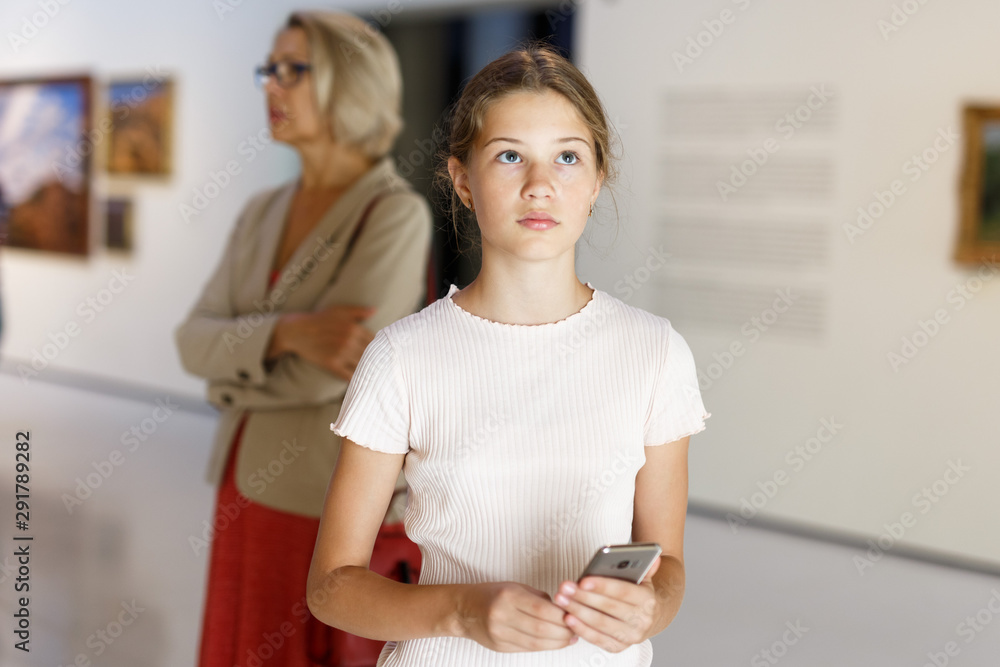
(293, 116)
(531, 175)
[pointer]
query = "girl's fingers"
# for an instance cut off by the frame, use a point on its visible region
(594, 636)
(537, 625)
(610, 633)
(521, 641)
(539, 606)
(543, 632)
(598, 619)
(598, 604)
(612, 596)
(612, 614)
(546, 624)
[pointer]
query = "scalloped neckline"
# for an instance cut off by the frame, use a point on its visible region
(569, 318)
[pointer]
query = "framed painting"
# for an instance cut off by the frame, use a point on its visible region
(141, 119)
(45, 149)
(979, 229)
(118, 224)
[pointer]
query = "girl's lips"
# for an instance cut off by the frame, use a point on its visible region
(540, 223)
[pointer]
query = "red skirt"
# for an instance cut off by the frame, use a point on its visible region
(255, 606)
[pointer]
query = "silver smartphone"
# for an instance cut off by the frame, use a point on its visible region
(630, 562)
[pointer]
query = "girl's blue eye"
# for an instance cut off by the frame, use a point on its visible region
(505, 154)
(570, 154)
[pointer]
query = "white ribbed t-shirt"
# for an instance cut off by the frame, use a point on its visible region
(522, 445)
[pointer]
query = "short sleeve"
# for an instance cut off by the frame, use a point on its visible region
(676, 409)
(375, 411)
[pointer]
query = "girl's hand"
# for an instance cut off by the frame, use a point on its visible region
(610, 613)
(511, 617)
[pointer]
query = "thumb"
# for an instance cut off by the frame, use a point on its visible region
(652, 570)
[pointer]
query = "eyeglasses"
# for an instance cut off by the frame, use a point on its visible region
(285, 73)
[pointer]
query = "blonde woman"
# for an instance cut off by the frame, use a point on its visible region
(312, 270)
(537, 417)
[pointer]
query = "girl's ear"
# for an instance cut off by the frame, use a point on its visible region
(459, 179)
(597, 186)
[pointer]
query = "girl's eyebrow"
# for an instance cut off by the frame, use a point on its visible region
(515, 141)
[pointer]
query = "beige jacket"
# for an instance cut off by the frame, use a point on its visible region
(288, 451)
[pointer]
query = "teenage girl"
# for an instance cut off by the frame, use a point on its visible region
(536, 417)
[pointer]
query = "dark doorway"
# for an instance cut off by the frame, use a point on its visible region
(438, 53)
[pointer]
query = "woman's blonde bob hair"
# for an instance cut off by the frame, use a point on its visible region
(356, 79)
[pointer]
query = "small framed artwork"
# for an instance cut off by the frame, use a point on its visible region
(118, 220)
(979, 229)
(141, 120)
(45, 150)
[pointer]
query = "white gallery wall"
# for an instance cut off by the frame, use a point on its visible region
(878, 98)
(822, 412)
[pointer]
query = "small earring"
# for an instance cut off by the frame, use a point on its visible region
(472, 205)
(591, 211)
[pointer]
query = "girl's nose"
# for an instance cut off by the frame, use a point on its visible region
(539, 182)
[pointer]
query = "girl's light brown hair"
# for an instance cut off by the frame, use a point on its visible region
(535, 67)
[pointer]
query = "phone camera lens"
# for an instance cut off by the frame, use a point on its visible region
(622, 565)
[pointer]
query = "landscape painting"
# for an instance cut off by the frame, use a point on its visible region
(140, 126)
(45, 150)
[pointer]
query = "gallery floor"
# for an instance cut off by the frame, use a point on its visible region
(117, 537)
